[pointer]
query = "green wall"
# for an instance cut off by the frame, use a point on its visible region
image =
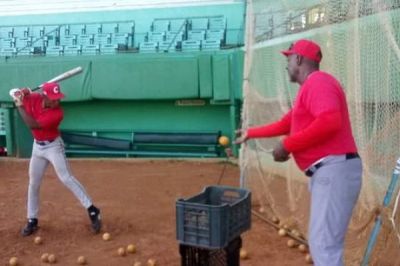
(121, 94)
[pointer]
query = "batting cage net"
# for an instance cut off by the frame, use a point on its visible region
(360, 44)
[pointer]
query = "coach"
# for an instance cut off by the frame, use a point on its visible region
(320, 138)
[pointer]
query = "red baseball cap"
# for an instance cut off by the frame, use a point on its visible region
(306, 48)
(52, 91)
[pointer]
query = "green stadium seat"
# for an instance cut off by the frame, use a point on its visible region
(123, 39)
(177, 25)
(191, 45)
(50, 40)
(155, 36)
(108, 48)
(21, 31)
(23, 42)
(216, 35)
(72, 49)
(6, 32)
(87, 39)
(160, 25)
(148, 47)
(126, 27)
(196, 35)
(53, 30)
(109, 28)
(174, 36)
(8, 51)
(7, 42)
(102, 38)
(199, 24)
(68, 40)
(167, 46)
(218, 23)
(211, 45)
(90, 49)
(54, 50)
(37, 31)
(95, 28)
(24, 51)
(74, 29)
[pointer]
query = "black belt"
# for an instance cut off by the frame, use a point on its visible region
(311, 170)
(44, 142)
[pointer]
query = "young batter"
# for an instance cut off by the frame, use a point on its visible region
(42, 113)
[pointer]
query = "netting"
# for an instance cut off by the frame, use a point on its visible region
(360, 44)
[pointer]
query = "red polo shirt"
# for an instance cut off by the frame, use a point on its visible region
(48, 118)
(318, 124)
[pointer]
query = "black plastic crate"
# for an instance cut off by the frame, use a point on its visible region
(195, 256)
(214, 217)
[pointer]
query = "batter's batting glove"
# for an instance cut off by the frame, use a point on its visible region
(17, 96)
(26, 91)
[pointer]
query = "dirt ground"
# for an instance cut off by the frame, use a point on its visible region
(137, 199)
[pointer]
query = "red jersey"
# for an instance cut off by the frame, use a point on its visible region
(318, 124)
(48, 118)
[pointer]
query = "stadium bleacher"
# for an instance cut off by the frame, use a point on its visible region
(164, 35)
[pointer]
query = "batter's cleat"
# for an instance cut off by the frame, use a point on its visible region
(30, 228)
(94, 215)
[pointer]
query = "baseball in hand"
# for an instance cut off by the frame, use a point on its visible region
(81, 260)
(131, 248)
(37, 240)
(13, 261)
(223, 141)
(106, 236)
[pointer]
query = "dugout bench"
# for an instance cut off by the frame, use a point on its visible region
(142, 144)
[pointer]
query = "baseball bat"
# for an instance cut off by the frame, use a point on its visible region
(378, 222)
(66, 75)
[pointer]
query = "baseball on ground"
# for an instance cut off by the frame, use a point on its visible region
(81, 260)
(261, 210)
(151, 262)
(37, 240)
(291, 243)
(275, 220)
(13, 261)
(121, 252)
(282, 232)
(302, 248)
(308, 259)
(137, 263)
(45, 257)
(106, 236)
(243, 254)
(52, 258)
(131, 248)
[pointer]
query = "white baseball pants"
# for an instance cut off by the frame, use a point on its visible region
(53, 153)
(334, 191)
